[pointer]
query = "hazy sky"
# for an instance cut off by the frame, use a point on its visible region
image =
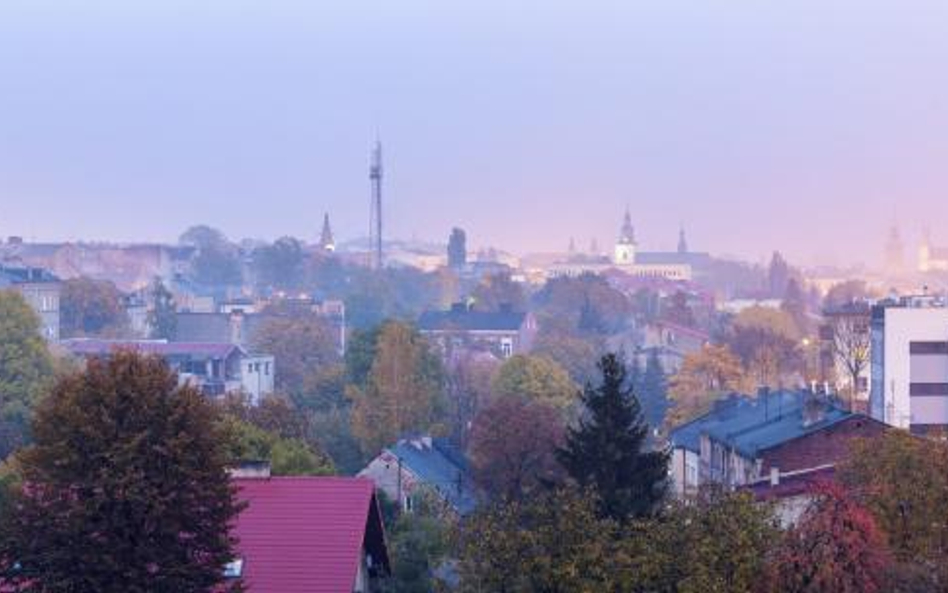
(801, 125)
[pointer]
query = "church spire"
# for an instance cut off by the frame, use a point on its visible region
(326, 241)
(627, 234)
(682, 241)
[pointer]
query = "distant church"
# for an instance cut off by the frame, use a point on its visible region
(679, 265)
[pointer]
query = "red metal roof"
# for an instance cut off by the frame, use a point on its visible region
(305, 534)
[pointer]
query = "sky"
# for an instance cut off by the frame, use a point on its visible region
(807, 126)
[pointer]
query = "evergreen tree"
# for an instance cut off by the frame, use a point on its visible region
(125, 489)
(457, 248)
(162, 317)
(607, 449)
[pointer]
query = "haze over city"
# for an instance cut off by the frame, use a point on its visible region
(807, 126)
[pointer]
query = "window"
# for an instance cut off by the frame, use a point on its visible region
(928, 389)
(928, 348)
(234, 569)
(266, 369)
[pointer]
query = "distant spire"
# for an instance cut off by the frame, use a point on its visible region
(572, 245)
(627, 234)
(682, 241)
(594, 246)
(326, 241)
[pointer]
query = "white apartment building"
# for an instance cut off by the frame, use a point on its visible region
(909, 363)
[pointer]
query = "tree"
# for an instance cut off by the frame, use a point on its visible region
(794, 304)
(127, 486)
(513, 447)
(677, 311)
(303, 345)
(607, 450)
(575, 353)
(835, 548)
(26, 369)
(418, 543)
(280, 265)
(499, 290)
(703, 376)
(468, 390)
(719, 542)
(778, 274)
(553, 543)
(91, 308)
(537, 378)
(566, 298)
(849, 328)
(901, 480)
(457, 248)
(846, 293)
(403, 389)
(162, 318)
(216, 261)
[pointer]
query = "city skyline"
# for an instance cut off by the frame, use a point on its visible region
(807, 129)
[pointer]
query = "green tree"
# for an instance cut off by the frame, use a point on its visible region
(91, 308)
(163, 316)
(419, 542)
(607, 451)
(280, 265)
(653, 391)
(26, 369)
(537, 378)
(718, 543)
(553, 543)
(577, 354)
(128, 488)
(403, 392)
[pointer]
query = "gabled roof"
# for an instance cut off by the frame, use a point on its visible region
(441, 467)
(471, 320)
(688, 435)
(306, 534)
(97, 347)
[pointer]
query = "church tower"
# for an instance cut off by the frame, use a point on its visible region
(682, 242)
(326, 242)
(625, 247)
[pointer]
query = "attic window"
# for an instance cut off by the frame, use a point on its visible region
(234, 569)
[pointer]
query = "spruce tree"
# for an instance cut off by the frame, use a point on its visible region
(653, 390)
(125, 489)
(607, 451)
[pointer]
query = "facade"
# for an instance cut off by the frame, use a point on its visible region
(305, 534)
(41, 290)
(504, 332)
(418, 466)
(215, 369)
(909, 363)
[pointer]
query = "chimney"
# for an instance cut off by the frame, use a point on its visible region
(774, 476)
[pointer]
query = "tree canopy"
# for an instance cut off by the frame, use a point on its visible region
(537, 378)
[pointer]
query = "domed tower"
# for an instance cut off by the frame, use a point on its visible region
(625, 247)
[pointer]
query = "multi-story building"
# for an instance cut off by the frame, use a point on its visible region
(214, 368)
(909, 362)
(40, 289)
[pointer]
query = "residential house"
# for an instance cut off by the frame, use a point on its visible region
(669, 341)
(214, 368)
(504, 332)
(41, 290)
(744, 439)
(308, 534)
(418, 466)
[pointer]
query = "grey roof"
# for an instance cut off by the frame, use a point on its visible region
(471, 320)
(442, 467)
(201, 350)
(670, 258)
(688, 435)
(11, 275)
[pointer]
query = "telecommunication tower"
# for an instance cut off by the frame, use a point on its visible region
(375, 216)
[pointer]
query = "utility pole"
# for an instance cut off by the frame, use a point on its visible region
(375, 214)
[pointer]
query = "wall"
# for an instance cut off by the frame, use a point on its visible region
(827, 446)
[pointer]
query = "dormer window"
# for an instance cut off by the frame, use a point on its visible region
(234, 569)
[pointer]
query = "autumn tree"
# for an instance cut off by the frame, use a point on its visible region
(717, 543)
(554, 542)
(901, 480)
(577, 353)
(216, 261)
(403, 391)
(513, 447)
(125, 488)
(676, 310)
(468, 380)
(537, 378)
(162, 317)
(91, 308)
(608, 449)
(26, 369)
(834, 548)
(496, 291)
(704, 376)
(302, 344)
(568, 298)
